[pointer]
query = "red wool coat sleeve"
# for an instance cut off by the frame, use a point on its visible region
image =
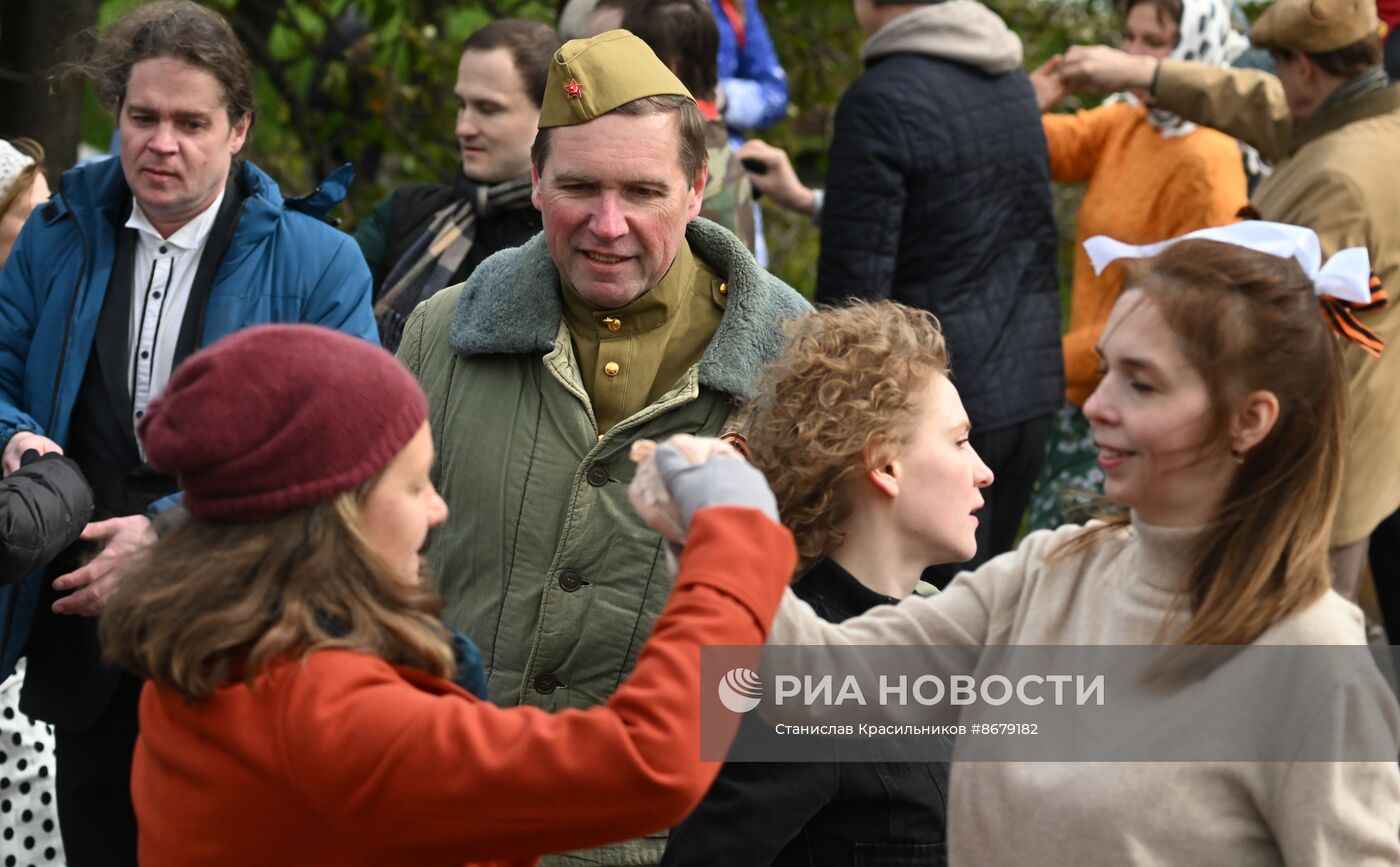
(399, 767)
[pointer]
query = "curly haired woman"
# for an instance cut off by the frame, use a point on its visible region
(864, 441)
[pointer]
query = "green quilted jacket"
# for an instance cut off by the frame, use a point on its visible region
(542, 560)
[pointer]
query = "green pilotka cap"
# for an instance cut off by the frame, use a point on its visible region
(591, 77)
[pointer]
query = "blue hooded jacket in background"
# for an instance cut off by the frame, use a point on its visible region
(284, 264)
(754, 84)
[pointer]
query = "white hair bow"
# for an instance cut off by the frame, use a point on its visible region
(1347, 275)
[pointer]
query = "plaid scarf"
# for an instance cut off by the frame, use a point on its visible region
(428, 265)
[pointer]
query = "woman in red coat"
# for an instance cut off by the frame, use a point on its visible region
(299, 708)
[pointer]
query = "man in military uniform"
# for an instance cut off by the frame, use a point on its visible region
(626, 319)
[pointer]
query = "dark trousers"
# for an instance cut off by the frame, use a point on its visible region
(1385, 571)
(1014, 454)
(94, 784)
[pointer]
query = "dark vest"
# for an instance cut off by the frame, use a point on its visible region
(67, 684)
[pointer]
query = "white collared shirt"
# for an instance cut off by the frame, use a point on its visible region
(160, 291)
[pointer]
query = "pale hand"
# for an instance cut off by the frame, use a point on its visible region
(1102, 69)
(121, 538)
(648, 493)
(780, 183)
(1049, 87)
(23, 442)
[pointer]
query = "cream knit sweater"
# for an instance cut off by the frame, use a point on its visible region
(1198, 813)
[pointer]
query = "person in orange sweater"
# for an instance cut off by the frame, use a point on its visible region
(298, 708)
(1149, 176)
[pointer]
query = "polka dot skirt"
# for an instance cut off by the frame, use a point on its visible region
(28, 814)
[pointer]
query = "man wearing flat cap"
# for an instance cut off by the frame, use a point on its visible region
(1331, 121)
(627, 318)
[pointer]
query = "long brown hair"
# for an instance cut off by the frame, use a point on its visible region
(1249, 321)
(212, 602)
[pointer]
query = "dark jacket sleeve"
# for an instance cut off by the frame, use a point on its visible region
(864, 207)
(44, 505)
(752, 812)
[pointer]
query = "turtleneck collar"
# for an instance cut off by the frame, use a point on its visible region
(836, 594)
(1165, 554)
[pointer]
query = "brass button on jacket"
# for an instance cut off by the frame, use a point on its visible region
(612, 368)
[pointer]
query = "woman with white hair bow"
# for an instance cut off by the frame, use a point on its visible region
(1149, 176)
(1219, 422)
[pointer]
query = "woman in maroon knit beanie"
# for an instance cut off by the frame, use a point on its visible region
(299, 708)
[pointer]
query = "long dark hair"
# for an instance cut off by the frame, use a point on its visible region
(214, 602)
(1249, 321)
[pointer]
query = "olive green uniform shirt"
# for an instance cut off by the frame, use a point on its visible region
(631, 356)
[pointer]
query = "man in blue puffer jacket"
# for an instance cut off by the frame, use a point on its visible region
(138, 262)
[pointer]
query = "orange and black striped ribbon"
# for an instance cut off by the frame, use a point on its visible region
(1341, 316)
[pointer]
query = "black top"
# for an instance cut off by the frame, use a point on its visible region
(938, 196)
(819, 813)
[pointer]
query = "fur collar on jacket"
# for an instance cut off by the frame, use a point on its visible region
(511, 305)
(963, 31)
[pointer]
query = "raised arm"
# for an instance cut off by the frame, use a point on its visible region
(1075, 141)
(1248, 104)
(1244, 103)
(446, 778)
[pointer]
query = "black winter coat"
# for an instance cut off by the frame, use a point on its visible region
(812, 814)
(44, 505)
(938, 197)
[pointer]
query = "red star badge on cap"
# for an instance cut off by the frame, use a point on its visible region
(573, 89)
